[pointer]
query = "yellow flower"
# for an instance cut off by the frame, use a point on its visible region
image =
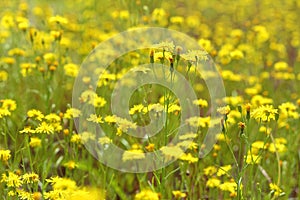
(258, 100)
(5, 155)
(70, 164)
(252, 158)
(213, 182)
(275, 189)
(281, 66)
(223, 170)
(198, 121)
(72, 113)
(200, 102)
(8, 104)
(35, 142)
(45, 128)
(124, 124)
(224, 110)
(71, 69)
(189, 158)
(133, 154)
(146, 195)
(177, 20)
(110, 119)
(12, 180)
(30, 178)
(264, 113)
(210, 170)
(171, 152)
(3, 75)
(76, 138)
(188, 136)
(58, 19)
(59, 183)
(228, 186)
(98, 102)
(35, 114)
(150, 147)
(104, 140)
(136, 109)
(178, 194)
(94, 118)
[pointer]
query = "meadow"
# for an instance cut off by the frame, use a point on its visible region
(70, 130)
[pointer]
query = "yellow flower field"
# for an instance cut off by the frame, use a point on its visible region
(149, 100)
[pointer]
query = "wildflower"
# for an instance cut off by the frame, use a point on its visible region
(12, 180)
(228, 186)
(248, 107)
(195, 56)
(178, 194)
(224, 110)
(264, 113)
(189, 158)
(94, 118)
(258, 100)
(70, 165)
(242, 126)
(8, 104)
(136, 109)
(281, 66)
(33, 113)
(86, 136)
(72, 113)
(5, 155)
(53, 118)
(171, 152)
(236, 54)
(252, 158)
(223, 170)
(71, 69)
(36, 196)
(150, 147)
(288, 109)
(24, 195)
(35, 142)
(110, 119)
(165, 46)
(45, 128)
(133, 154)
(3, 75)
(30, 178)
(27, 129)
(213, 182)
(58, 19)
(104, 140)
(146, 195)
(124, 124)
(198, 121)
(279, 146)
(205, 44)
(200, 102)
(98, 102)
(265, 130)
(59, 183)
(76, 138)
(210, 170)
(174, 108)
(4, 112)
(188, 136)
(275, 189)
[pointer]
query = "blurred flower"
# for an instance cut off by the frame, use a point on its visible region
(5, 155)
(146, 195)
